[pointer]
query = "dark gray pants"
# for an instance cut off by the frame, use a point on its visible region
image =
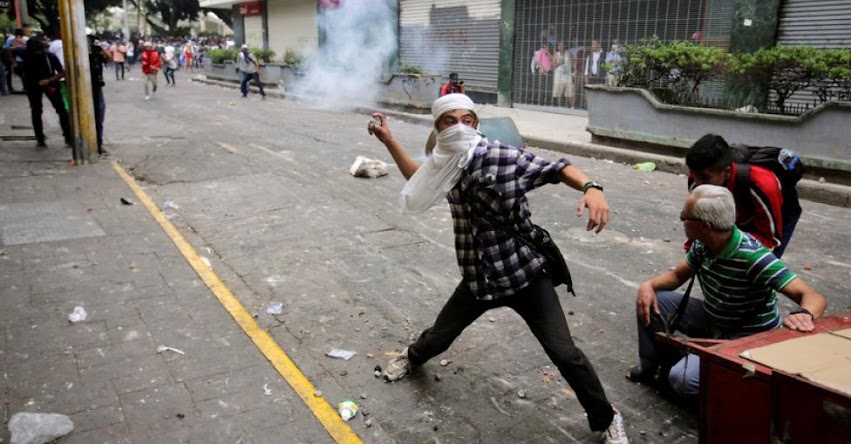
(539, 306)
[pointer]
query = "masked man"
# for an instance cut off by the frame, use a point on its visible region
(486, 187)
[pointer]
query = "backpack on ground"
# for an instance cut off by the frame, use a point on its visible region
(783, 162)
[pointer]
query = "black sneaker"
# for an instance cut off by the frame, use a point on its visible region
(103, 154)
(41, 146)
(639, 375)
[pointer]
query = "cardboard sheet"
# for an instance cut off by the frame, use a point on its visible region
(824, 358)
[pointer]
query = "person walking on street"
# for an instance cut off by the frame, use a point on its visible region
(486, 185)
(42, 72)
(131, 55)
(151, 64)
(169, 65)
(250, 70)
(118, 53)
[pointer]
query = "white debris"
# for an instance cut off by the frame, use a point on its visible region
(365, 167)
(275, 308)
(78, 315)
(340, 354)
(38, 428)
(163, 348)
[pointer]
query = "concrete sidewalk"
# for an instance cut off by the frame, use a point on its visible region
(565, 132)
(67, 241)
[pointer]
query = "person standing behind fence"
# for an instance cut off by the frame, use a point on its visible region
(151, 64)
(613, 60)
(250, 69)
(563, 78)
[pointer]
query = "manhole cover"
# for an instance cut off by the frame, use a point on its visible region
(604, 237)
(25, 223)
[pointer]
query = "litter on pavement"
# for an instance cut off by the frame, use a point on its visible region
(126, 201)
(78, 315)
(163, 348)
(348, 409)
(38, 428)
(275, 308)
(365, 167)
(340, 354)
(644, 166)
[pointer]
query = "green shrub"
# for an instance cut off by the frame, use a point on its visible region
(293, 58)
(407, 68)
(675, 71)
(219, 56)
(264, 55)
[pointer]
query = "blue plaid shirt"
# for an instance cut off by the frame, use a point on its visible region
(493, 263)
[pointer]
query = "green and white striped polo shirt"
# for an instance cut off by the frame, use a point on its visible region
(739, 286)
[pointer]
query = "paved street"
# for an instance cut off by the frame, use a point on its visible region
(261, 190)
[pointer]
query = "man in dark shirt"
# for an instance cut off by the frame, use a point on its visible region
(97, 58)
(486, 185)
(42, 72)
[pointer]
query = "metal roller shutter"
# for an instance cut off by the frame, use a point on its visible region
(443, 36)
(254, 31)
(817, 23)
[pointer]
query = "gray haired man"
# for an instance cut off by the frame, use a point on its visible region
(739, 279)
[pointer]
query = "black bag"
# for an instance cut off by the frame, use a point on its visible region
(555, 266)
(783, 162)
(542, 243)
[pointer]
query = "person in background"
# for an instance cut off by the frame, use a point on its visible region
(613, 60)
(55, 48)
(97, 59)
(118, 53)
(250, 69)
(131, 55)
(151, 64)
(454, 86)
(42, 72)
(563, 78)
(169, 64)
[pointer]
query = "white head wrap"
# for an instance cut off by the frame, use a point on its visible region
(448, 103)
(442, 170)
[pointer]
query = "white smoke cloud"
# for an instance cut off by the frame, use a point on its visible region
(360, 45)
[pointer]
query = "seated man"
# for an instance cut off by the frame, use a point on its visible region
(738, 277)
(710, 161)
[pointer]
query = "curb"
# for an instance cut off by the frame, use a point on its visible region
(811, 190)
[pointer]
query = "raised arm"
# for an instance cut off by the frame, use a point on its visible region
(407, 165)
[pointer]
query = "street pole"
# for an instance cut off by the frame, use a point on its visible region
(78, 78)
(126, 20)
(23, 16)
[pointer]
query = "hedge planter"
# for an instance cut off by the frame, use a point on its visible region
(270, 74)
(634, 117)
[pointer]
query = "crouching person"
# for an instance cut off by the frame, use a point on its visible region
(739, 279)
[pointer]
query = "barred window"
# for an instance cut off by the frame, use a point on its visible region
(541, 24)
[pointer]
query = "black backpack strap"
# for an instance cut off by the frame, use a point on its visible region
(674, 321)
(742, 183)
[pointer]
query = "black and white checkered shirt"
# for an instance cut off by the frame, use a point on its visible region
(493, 263)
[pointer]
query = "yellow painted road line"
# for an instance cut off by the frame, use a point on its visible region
(324, 412)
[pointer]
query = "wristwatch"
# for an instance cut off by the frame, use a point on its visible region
(802, 310)
(592, 184)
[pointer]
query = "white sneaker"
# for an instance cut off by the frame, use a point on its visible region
(147, 97)
(615, 434)
(398, 367)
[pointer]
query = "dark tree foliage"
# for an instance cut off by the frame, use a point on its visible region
(46, 12)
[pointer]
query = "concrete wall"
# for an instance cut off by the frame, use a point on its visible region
(820, 136)
(292, 24)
